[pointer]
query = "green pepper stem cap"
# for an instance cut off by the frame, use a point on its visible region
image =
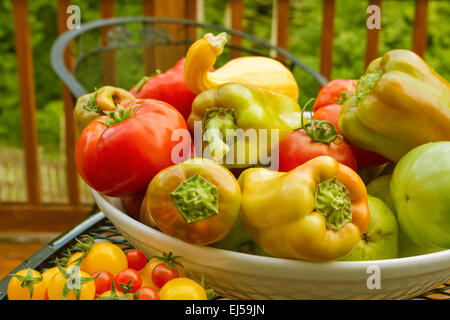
(90, 103)
(196, 199)
(365, 84)
(332, 200)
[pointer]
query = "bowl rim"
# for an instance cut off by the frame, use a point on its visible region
(255, 265)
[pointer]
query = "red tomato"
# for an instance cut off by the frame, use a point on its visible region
(162, 273)
(331, 93)
(364, 158)
(120, 157)
(169, 87)
(136, 259)
(128, 280)
(146, 293)
(297, 148)
(103, 282)
(330, 113)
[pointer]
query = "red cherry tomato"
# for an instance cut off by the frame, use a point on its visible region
(147, 293)
(136, 259)
(162, 273)
(128, 280)
(103, 282)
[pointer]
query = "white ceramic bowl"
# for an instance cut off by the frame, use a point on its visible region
(244, 276)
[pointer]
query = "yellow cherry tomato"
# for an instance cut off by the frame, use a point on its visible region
(109, 295)
(105, 256)
(74, 257)
(25, 281)
(59, 280)
(47, 276)
(147, 282)
(182, 289)
(148, 269)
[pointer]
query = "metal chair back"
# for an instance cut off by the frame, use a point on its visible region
(119, 51)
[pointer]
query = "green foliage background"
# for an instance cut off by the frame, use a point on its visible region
(304, 42)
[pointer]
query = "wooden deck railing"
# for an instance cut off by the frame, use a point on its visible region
(36, 214)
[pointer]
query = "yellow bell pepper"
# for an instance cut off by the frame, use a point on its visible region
(318, 211)
(263, 72)
(399, 103)
(228, 108)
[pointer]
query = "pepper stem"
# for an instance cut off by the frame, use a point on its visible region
(332, 200)
(196, 199)
(216, 123)
(110, 97)
(144, 80)
(216, 42)
(141, 83)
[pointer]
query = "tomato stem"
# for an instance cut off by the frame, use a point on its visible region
(169, 259)
(319, 130)
(74, 281)
(118, 115)
(210, 293)
(126, 287)
(27, 281)
(85, 245)
(114, 294)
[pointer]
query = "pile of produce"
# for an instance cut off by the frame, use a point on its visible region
(100, 270)
(226, 157)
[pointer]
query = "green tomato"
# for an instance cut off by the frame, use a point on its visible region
(420, 191)
(406, 247)
(380, 239)
(380, 188)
